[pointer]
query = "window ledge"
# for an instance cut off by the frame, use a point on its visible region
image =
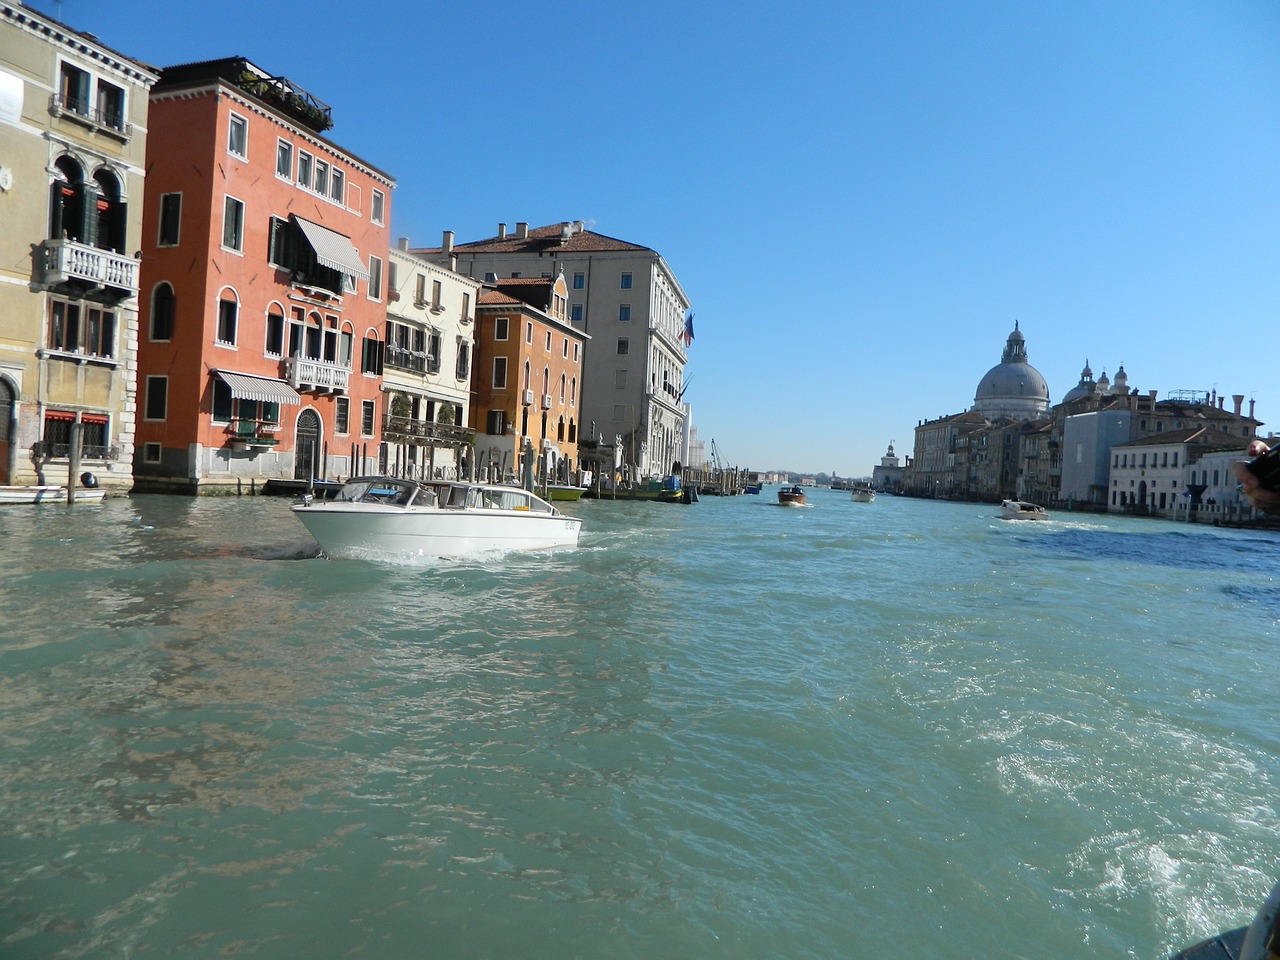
(82, 359)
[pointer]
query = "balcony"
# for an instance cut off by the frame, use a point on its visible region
(406, 429)
(256, 434)
(319, 375)
(109, 121)
(416, 361)
(66, 260)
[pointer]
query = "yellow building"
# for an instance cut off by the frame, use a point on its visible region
(73, 118)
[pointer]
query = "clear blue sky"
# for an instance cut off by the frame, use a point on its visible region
(860, 198)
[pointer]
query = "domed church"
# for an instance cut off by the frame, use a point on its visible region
(1013, 388)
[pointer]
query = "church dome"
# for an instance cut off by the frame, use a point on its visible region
(1013, 388)
(1084, 388)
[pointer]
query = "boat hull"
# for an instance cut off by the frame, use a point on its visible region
(1022, 510)
(48, 494)
(565, 494)
(362, 532)
(864, 496)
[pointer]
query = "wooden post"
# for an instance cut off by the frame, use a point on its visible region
(73, 461)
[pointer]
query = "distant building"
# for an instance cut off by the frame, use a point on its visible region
(264, 287)
(627, 298)
(887, 475)
(527, 379)
(1012, 388)
(73, 121)
(1151, 475)
(426, 368)
(1087, 441)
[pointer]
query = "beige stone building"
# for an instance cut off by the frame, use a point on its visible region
(73, 122)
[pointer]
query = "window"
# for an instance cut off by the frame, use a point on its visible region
(275, 333)
(624, 312)
(81, 328)
(342, 415)
(74, 88)
(575, 353)
(377, 207)
(573, 391)
(284, 159)
(238, 137)
(626, 281)
(500, 328)
(233, 224)
(151, 453)
(576, 313)
(162, 309)
(170, 219)
(305, 161)
(371, 357)
(466, 307)
(93, 434)
(547, 347)
(420, 290)
(579, 281)
(375, 278)
(463, 369)
(499, 373)
(565, 348)
(624, 345)
(528, 331)
(337, 184)
(322, 178)
(435, 294)
(496, 423)
(367, 415)
(110, 105)
(157, 400)
(228, 312)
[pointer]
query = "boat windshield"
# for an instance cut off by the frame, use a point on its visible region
(379, 490)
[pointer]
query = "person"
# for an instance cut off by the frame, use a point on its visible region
(1262, 498)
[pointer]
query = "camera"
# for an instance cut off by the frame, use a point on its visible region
(1266, 467)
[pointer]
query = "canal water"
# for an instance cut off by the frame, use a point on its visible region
(729, 730)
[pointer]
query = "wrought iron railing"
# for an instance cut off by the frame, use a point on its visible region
(258, 433)
(406, 428)
(110, 120)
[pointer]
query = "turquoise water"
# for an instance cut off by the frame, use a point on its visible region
(730, 730)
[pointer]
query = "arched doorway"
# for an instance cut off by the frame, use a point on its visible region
(6, 428)
(306, 447)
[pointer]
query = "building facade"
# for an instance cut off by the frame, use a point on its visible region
(426, 368)
(73, 137)
(527, 380)
(1158, 475)
(628, 300)
(263, 287)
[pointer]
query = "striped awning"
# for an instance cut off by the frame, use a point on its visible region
(333, 250)
(245, 386)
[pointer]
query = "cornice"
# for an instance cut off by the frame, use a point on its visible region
(83, 44)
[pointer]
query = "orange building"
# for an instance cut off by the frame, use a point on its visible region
(527, 379)
(262, 287)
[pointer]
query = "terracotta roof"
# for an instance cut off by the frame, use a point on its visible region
(496, 298)
(542, 239)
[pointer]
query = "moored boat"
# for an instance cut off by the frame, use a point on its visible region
(49, 494)
(1022, 510)
(792, 496)
(564, 492)
(390, 518)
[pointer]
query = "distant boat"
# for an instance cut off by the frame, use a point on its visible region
(564, 492)
(792, 496)
(863, 493)
(389, 518)
(752, 488)
(1022, 510)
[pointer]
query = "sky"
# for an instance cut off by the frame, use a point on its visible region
(859, 198)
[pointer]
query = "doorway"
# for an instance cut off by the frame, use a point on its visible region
(306, 446)
(6, 428)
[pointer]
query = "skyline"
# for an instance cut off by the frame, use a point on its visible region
(860, 200)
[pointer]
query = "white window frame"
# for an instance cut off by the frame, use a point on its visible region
(288, 147)
(239, 251)
(378, 207)
(374, 291)
(501, 325)
(236, 120)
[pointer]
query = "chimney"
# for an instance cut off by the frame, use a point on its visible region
(1222, 400)
(403, 243)
(522, 230)
(502, 231)
(1238, 400)
(446, 243)
(1251, 403)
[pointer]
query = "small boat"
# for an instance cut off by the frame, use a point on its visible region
(751, 488)
(1022, 510)
(391, 518)
(49, 494)
(863, 493)
(792, 496)
(564, 492)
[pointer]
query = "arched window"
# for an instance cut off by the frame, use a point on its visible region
(562, 386)
(573, 391)
(573, 431)
(546, 382)
(528, 375)
(560, 429)
(228, 316)
(163, 306)
(109, 211)
(66, 207)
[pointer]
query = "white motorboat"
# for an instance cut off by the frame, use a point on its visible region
(49, 494)
(863, 493)
(1022, 510)
(388, 518)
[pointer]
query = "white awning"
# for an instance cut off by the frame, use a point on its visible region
(333, 250)
(245, 386)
